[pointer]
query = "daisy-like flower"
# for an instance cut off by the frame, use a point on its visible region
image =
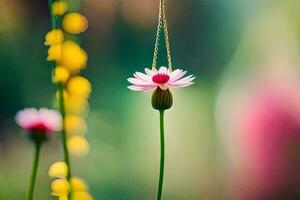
(39, 121)
(162, 78)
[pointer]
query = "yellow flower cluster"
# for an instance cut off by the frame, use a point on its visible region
(69, 58)
(60, 187)
(67, 53)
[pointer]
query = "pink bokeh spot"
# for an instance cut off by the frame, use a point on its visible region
(271, 144)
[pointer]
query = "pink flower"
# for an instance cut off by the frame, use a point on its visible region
(43, 120)
(162, 78)
(271, 127)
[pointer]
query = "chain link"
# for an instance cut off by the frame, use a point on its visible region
(162, 23)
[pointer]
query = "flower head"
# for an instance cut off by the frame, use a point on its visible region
(42, 121)
(60, 187)
(75, 125)
(54, 53)
(60, 75)
(59, 7)
(54, 37)
(72, 56)
(80, 87)
(162, 78)
(58, 169)
(75, 23)
(78, 145)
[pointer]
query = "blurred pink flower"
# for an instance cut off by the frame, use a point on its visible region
(162, 78)
(270, 140)
(43, 120)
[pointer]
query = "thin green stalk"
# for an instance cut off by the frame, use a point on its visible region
(52, 18)
(162, 155)
(63, 130)
(55, 24)
(60, 86)
(35, 164)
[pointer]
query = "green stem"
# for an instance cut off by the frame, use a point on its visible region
(34, 171)
(63, 130)
(162, 155)
(61, 102)
(55, 24)
(53, 19)
(63, 133)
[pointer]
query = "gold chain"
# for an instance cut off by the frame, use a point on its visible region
(157, 36)
(162, 20)
(165, 23)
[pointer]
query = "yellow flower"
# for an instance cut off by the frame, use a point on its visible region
(75, 23)
(75, 125)
(59, 7)
(54, 52)
(78, 145)
(72, 56)
(60, 187)
(81, 196)
(78, 184)
(64, 197)
(61, 74)
(79, 86)
(76, 105)
(54, 37)
(58, 169)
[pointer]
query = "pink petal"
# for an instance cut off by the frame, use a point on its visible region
(181, 85)
(142, 76)
(51, 118)
(30, 117)
(177, 74)
(141, 88)
(150, 72)
(27, 116)
(136, 81)
(186, 79)
(182, 81)
(163, 70)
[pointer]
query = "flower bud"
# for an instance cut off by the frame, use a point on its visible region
(162, 99)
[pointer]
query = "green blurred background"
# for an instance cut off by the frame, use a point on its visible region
(223, 43)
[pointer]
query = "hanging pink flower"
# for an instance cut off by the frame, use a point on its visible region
(42, 121)
(163, 78)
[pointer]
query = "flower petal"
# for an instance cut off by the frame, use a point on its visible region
(140, 82)
(26, 117)
(186, 79)
(142, 76)
(163, 70)
(50, 117)
(32, 116)
(177, 74)
(150, 72)
(141, 88)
